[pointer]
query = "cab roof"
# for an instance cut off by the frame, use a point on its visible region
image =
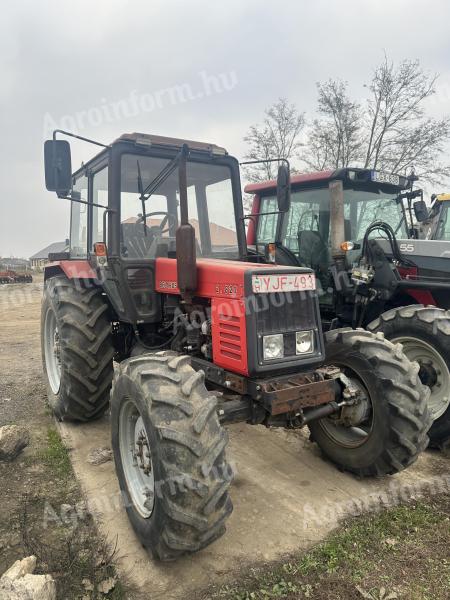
(146, 139)
(301, 178)
(355, 175)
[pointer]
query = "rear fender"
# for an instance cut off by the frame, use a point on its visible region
(72, 269)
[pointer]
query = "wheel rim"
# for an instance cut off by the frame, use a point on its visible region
(351, 436)
(136, 458)
(433, 372)
(52, 350)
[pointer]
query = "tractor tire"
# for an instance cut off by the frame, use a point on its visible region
(176, 491)
(394, 431)
(424, 332)
(77, 350)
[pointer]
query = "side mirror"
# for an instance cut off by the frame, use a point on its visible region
(58, 167)
(283, 188)
(420, 210)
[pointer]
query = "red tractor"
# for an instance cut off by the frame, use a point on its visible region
(10, 276)
(160, 281)
(358, 230)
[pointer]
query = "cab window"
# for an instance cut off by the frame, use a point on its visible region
(79, 220)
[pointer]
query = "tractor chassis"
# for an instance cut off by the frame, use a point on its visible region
(294, 399)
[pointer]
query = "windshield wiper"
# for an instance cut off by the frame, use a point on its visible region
(141, 196)
(166, 171)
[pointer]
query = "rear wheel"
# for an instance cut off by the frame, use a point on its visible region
(385, 431)
(77, 350)
(424, 333)
(169, 452)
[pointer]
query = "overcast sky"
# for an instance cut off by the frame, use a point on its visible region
(109, 67)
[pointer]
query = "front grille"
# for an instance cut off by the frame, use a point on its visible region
(279, 313)
(230, 334)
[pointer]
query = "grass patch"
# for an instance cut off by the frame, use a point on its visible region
(399, 553)
(56, 455)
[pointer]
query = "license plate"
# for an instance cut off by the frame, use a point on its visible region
(267, 284)
(382, 177)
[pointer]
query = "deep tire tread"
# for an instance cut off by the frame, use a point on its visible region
(86, 349)
(184, 416)
(402, 395)
(433, 324)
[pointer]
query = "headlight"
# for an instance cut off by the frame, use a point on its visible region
(304, 342)
(273, 346)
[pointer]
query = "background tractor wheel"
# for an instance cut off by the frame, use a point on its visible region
(424, 333)
(169, 452)
(387, 431)
(77, 350)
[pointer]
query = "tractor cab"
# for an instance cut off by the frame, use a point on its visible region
(126, 209)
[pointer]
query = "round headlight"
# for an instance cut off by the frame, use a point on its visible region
(304, 342)
(273, 346)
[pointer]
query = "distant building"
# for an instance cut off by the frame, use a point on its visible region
(10, 263)
(40, 259)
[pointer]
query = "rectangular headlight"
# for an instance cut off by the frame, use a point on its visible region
(273, 346)
(304, 342)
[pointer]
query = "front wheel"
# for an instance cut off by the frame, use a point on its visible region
(169, 452)
(386, 430)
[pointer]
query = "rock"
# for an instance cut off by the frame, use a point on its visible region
(107, 585)
(20, 568)
(87, 584)
(18, 582)
(98, 456)
(30, 587)
(13, 439)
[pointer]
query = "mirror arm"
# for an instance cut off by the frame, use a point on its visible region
(112, 210)
(78, 137)
(267, 160)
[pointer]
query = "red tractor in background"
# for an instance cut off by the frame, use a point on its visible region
(358, 230)
(10, 276)
(159, 279)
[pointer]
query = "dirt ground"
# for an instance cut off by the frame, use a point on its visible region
(286, 498)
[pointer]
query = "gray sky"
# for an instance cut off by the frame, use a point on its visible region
(109, 67)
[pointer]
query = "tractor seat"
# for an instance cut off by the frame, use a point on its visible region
(313, 251)
(285, 257)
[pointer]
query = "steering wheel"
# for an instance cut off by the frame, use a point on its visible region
(169, 220)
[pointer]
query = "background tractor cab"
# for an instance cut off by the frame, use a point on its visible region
(331, 214)
(328, 208)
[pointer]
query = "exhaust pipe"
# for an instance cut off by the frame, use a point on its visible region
(337, 229)
(185, 237)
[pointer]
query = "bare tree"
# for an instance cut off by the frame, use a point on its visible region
(391, 131)
(335, 138)
(276, 137)
(400, 135)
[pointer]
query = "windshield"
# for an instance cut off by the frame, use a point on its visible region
(443, 227)
(310, 212)
(210, 201)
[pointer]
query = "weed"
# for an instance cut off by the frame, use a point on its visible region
(56, 455)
